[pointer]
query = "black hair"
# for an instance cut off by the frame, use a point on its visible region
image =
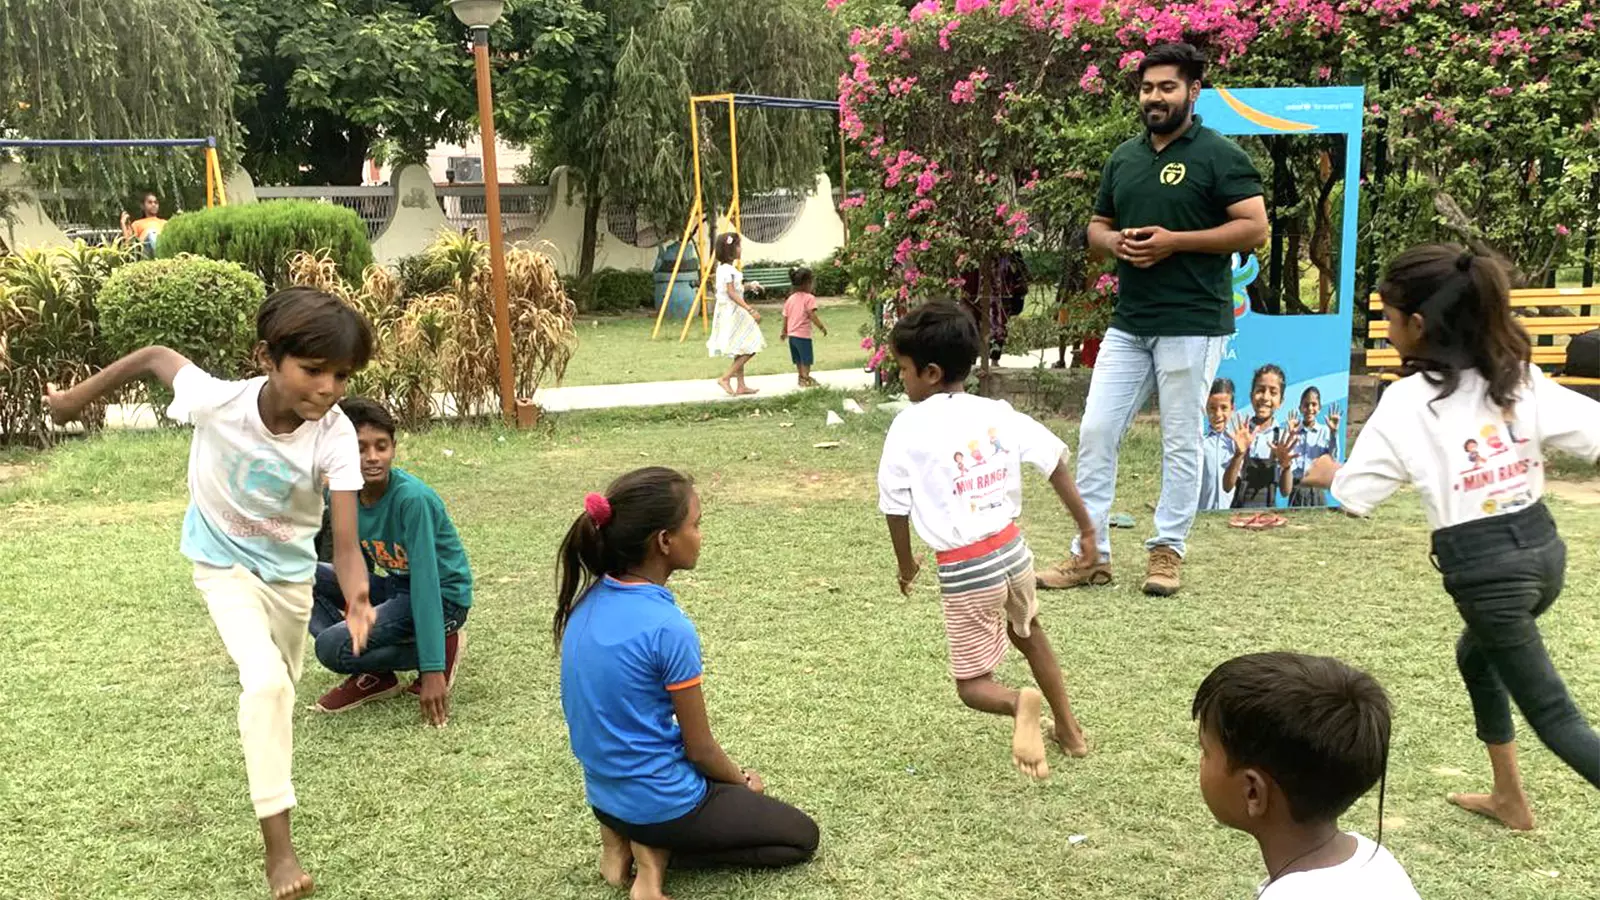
(1465, 304)
(1306, 395)
(313, 324)
(800, 277)
(1318, 727)
(727, 249)
(644, 503)
(1222, 386)
(1191, 63)
(1269, 369)
(366, 413)
(940, 333)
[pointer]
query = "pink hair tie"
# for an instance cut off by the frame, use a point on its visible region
(598, 508)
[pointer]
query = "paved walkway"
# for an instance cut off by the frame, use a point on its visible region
(618, 396)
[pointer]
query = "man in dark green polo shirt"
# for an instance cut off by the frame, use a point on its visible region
(1175, 203)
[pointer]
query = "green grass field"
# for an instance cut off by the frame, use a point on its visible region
(123, 776)
(618, 350)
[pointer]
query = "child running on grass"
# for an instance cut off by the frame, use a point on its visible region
(1468, 427)
(422, 595)
(261, 451)
(799, 315)
(966, 510)
(1287, 744)
(655, 777)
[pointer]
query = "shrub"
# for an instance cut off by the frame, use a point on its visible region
(832, 278)
(202, 308)
(263, 236)
(49, 330)
(614, 290)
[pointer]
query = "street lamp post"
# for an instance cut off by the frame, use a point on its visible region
(478, 15)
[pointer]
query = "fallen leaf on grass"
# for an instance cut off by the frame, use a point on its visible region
(826, 445)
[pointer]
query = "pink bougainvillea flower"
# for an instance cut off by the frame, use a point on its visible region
(1130, 60)
(963, 7)
(1471, 10)
(925, 9)
(852, 202)
(945, 32)
(867, 343)
(1091, 81)
(1563, 230)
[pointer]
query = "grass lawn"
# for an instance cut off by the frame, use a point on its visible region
(123, 777)
(618, 350)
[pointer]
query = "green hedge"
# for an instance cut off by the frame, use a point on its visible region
(202, 308)
(831, 279)
(262, 236)
(614, 290)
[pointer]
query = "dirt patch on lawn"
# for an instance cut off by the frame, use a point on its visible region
(1586, 493)
(793, 489)
(13, 472)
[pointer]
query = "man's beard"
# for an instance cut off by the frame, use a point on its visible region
(1169, 123)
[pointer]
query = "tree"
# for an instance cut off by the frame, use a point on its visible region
(620, 120)
(76, 69)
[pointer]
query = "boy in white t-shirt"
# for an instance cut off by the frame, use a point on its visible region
(261, 451)
(1288, 743)
(1468, 428)
(952, 466)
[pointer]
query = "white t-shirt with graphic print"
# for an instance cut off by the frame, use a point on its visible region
(255, 498)
(1371, 873)
(1466, 457)
(953, 463)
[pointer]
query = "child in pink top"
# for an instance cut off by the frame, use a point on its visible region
(799, 314)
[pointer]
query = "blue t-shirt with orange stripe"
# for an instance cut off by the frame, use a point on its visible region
(625, 649)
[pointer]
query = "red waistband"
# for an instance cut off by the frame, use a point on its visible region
(982, 548)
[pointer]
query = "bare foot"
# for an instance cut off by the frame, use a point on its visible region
(652, 864)
(1027, 745)
(616, 858)
(287, 880)
(748, 391)
(727, 386)
(1071, 740)
(1512, 812)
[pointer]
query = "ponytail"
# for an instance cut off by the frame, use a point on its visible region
(1465, 304)
(614, 531)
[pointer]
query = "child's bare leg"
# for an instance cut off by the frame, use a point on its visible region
(1027, 747)
(616, 858)
(738, 367)
(285, 879)
(1506, 801)
(648, 884)
(1047, 672)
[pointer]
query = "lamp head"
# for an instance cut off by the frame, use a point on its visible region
(477, 14)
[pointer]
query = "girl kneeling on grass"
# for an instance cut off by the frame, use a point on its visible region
(656, 778)
(1468, 427)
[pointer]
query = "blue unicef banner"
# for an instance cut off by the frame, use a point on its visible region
(1284, 383)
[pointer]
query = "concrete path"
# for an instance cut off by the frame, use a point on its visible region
(619, 396)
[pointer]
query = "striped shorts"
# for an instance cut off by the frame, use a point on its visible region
(983, 587)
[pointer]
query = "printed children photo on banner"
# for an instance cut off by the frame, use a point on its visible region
(1281, 393)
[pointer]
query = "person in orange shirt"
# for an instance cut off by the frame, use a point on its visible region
(145, 228)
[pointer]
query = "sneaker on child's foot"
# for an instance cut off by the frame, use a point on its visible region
(453, 644)
(359, 689)
(1162, 578)
(1069, 574)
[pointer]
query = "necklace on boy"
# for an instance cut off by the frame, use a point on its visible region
(1285, 867)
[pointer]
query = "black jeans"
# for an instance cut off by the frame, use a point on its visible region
(1503, 573)
(732, 826)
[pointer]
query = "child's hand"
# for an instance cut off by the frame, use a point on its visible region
(434, 695)
(61, 406)
(1294, 421)
(755, 314)
(1088, 549)
(1334, 417)
(359, 615)
(1321, 472)
(908, 575)
(1243, 437)
(752, 780)
(824, 330)
(1284, 450)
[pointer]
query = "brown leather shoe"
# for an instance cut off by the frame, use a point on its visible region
(1161, 579)
(1068, 574)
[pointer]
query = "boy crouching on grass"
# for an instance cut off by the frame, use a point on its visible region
(952, 466)
(421, 597)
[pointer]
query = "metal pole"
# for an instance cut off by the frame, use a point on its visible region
(497, 249)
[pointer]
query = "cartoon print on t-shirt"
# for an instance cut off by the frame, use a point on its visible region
(982, 479)
(1474, 458)
(994, 441)
(1504, 486)
(961, 463)
(977, 455)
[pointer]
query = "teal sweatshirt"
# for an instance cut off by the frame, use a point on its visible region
(408, 534)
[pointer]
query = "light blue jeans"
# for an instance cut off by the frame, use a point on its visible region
(1180, 370)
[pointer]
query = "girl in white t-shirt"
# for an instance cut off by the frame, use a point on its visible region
(1468, 428)
(262, 451)
(735, 325)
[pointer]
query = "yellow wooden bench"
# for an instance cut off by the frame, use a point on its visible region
(1382, 358)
